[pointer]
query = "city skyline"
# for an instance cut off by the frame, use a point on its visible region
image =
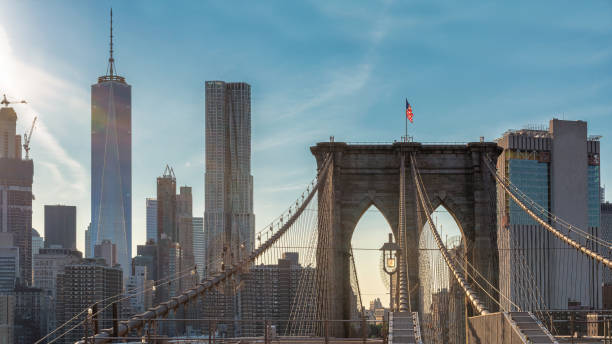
(288, 114)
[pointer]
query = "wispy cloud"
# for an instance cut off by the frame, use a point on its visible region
(285, 188)
(289, 136)
(59, 176)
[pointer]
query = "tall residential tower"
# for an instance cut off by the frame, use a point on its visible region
(228, 217)
(111, 162)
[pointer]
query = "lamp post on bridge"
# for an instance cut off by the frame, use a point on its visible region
(390, 252)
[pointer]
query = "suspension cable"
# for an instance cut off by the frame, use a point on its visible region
(470, 293)
(486, 281)
(159, 283)
(189, 271)
(596, 256)
(185, 297)
(519, 193)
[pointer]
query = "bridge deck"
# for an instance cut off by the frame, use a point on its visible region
(512, 327)
(403, 329)
(530, 328)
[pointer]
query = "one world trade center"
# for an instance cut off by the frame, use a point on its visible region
(111, 162)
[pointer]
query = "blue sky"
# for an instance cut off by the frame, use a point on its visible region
(317, 68)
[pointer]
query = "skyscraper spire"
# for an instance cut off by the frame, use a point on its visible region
(111, 71)
(111, 60)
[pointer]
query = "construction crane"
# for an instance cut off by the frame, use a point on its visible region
(6, 103)
(26, 139)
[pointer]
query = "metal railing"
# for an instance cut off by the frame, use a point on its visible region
(215, 330)
(578, 323)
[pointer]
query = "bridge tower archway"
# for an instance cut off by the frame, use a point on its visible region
(365, 175)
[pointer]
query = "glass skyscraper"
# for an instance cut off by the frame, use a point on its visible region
(111, 163)
(151, 206)
(559, 169)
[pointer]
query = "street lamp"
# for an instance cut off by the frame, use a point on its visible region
(390, 252)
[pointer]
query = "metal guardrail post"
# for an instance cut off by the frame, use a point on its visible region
(385, 329)
(214, 331)
(364, 334)
(154, 330)
(86, 328)
(149, 333)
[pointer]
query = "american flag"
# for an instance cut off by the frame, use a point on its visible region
(408, 111)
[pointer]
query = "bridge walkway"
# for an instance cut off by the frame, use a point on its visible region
(530, 328)
(404, 328)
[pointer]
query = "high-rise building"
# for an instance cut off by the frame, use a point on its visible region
(168, 268)
(16, 177)
(83, 284)
(228, 217)
(184, 214)
(199, 251)
(606, 230)
(31, 308)
(151, 204)
(167, 232)
(559, 169)
(60, 226)
(139, 286)
(269, 292)
(111, 162)
(166, 206)
(88, 245)
(9, 264)
(7, 318)
(147, 256)
(174, 242)
(37, 243)
(108, 251)
(48, 264)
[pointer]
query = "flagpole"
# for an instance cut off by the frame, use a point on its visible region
(406, 120)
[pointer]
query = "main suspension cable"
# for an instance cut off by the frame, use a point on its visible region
(596, 256)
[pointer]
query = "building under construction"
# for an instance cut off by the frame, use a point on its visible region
(15, 191)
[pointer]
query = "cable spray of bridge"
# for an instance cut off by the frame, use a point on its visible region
(520, 198)
(427, 209)
(140, 320)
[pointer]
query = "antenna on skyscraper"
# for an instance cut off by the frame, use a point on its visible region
(111, 60)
